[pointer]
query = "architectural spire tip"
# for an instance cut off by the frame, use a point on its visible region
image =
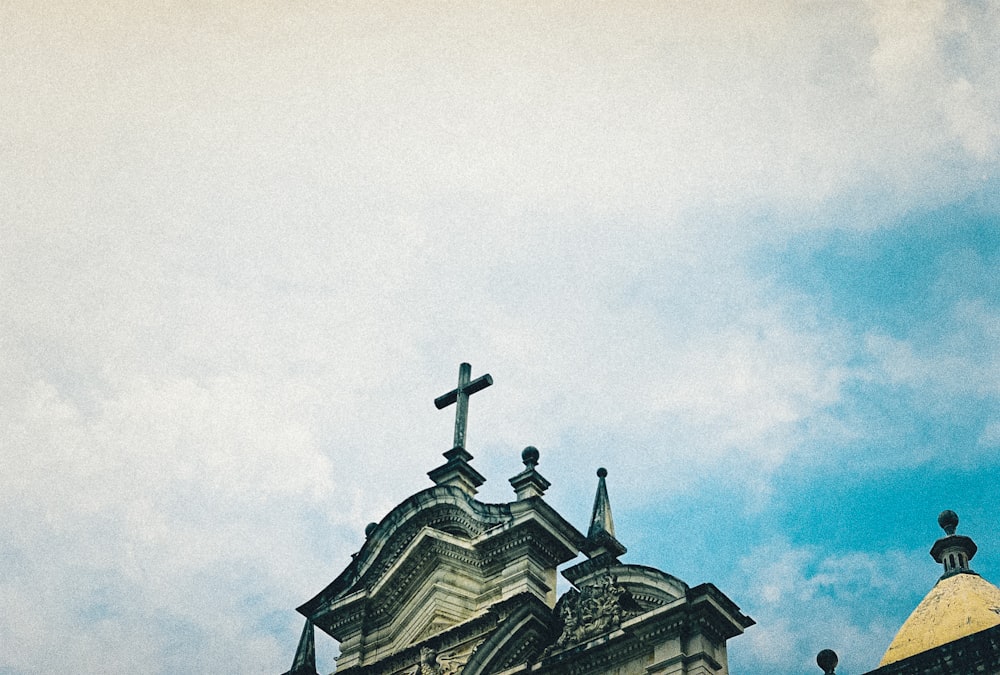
(948, 520)
(305, 656)
(954, 551)
(601, 533)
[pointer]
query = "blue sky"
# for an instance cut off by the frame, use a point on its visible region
(744, 255)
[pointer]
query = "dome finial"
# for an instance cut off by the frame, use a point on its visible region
(948, 520)
(827, 660)
(954, 551)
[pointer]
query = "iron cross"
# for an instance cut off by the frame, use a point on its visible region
(461, 395)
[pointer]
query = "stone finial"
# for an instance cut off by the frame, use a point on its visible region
(601, 533)
(530, 456)
(529, 483)
(948, 521)
(954, 551)
(600, 518)
(827, 660)
(305, 656)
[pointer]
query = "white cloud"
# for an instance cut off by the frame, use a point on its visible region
(216, 118)
(805, 600)
(152, 521)
(956, 361)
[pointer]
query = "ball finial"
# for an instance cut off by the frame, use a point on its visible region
(827, 660)
(530, 456)
(369, 528)
(602, 473)
(948, 520)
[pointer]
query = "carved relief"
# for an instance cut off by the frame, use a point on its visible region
(595, 609)
(432, 663)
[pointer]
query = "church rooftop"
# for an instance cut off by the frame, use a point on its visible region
(960, 604)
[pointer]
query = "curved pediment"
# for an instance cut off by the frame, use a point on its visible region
(443, 508)
(440, 559)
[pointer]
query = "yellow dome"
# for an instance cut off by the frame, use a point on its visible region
(959, 605)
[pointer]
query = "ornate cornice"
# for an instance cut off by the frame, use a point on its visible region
(448, 509)
(444, 508)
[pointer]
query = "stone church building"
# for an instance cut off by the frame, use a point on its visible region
(448, 585)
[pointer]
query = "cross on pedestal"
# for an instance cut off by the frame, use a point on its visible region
(460, 395)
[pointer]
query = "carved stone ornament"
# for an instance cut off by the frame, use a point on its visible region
(593, 610)
(432, 663)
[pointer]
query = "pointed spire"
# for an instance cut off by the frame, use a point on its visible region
(601, 535)
(954, 551)
(600, 517)
(305, 655)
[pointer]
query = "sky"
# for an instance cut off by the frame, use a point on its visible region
(744, 255)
